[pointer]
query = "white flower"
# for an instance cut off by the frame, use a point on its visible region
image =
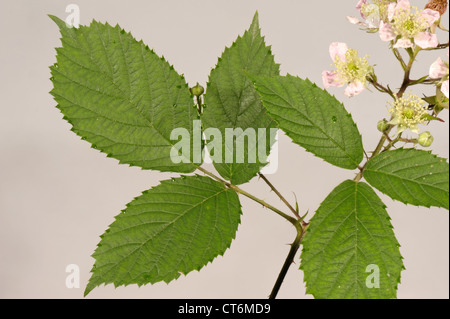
(407, 112)
(372, 12)
(407, 26)
(350, 69)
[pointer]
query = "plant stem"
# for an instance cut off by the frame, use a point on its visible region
(289, 260)
(238, 190)
(439, 47)
(298, 223)
(382, 88)
(399, 58)
(426, 81)
(405, 84)
(198, 99)
(391, 143)
(406, 79)
(381, 142)
(279, 195)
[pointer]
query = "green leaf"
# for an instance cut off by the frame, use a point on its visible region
(232, 101)
(171, 229)
(120, 96)
(349, 234)
(428, 117)
(312, 118)
(411, 176)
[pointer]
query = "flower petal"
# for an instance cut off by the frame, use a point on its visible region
(396, 8)
(331, 78)
(338, 49)
(403, 43)
(426, 40)
(401, 128)
(354, 20)
(414, 129)
(386, 32)
(444, 88)
(359, 5)
(391, 10)
(430, 16)
(438, 69)
(374, 18)
(403, 5)
(394, 121)
(354, 88)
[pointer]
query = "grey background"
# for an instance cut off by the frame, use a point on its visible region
(57, 195)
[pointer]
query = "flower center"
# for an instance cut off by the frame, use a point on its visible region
(353, 68)
(408, 113)
(408, 23)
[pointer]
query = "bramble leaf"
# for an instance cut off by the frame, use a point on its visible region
(411, 176)
(312, 118)
(232, 102)
(349, 238)
(173, 228)
(120, 96)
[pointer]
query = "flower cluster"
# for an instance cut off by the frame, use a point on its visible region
(405, 27)
(399, 22)
(350, 69)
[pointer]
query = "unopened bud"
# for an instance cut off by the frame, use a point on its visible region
(426, 139)
(383, 125)
(197, 90)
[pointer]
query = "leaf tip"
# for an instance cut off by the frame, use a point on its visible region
(60, 23)
(254, 27)
(88, 289)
